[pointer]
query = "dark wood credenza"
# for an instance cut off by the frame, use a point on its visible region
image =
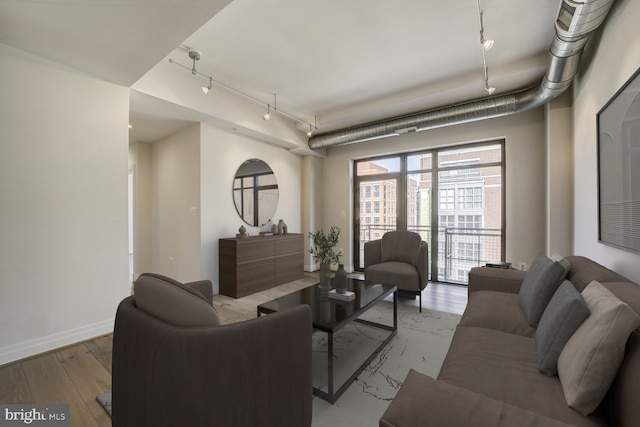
(249, 265)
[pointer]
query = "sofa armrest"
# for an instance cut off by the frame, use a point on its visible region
(495, 279)
(372, 253)
(424, 401)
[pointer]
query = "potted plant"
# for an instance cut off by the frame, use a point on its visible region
(323, 251)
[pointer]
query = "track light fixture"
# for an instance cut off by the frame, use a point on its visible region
(195, 56)
(206, 89)
(487, 44)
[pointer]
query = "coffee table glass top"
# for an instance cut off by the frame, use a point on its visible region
(330, 314)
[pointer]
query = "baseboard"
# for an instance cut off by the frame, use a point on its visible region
(37, 346)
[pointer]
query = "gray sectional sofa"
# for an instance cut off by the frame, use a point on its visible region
(492, 375)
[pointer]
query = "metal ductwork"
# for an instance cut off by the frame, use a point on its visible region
(574, 24)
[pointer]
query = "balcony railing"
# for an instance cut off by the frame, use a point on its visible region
(459, 249)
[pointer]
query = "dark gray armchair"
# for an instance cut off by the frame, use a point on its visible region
(400, 258)
(175, 365)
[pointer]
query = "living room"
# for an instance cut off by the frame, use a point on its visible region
(66, 152)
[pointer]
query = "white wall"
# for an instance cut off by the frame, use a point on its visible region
(604, 71)
(221, 153)
(525, 176)
(175, 205)
(63, 195)
(140, 164)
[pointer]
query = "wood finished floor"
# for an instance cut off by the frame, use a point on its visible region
(75, 375)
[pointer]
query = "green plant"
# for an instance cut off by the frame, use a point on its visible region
(323, 246)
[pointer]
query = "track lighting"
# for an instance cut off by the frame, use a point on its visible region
(486, 43)
(195, 56)
(206, 89)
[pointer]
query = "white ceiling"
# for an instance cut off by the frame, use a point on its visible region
(345, 62)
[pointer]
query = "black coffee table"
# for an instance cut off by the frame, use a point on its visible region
(330, 315)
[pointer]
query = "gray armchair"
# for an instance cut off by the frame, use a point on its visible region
(400, 258)
(175, 365)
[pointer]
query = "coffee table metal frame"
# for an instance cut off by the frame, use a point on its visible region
(330, 395)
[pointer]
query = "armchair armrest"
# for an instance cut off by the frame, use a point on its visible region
(495, 279)
(204, 287)
(424, 401)
(372, 253)
(423, 264)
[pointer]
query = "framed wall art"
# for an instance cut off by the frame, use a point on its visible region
(619, 168)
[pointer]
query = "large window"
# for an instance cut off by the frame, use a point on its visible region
(464, 225)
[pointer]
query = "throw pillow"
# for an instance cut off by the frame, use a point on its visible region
(565, 312)
(538, 286)
(590, 360)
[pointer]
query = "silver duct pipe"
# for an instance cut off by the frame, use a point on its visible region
(574, 24)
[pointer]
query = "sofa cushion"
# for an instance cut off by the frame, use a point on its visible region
(174, 302)
(504, 367)
(424, 401)
(565, 312)
(496, 310)
(590, 360)
(538, 286)
(400, 246)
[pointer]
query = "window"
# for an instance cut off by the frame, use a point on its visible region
(470, 198)
(453, 197)
(446, 199)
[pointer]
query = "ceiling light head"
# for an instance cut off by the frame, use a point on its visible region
(267, 115)
(489, 89)
(310, 131)
(206, 89)
(487, 43)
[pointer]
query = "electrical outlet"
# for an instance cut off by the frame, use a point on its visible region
(522, 266)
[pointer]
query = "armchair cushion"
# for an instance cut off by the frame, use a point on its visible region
(400, 246)
(401, 274)
(173, 302)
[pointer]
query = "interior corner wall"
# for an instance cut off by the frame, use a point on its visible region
(63, 191)
(311, 206)
(140, 165)
(559, 118)
(524, 134)
(221, 153)
(175, 205)
(610, 60)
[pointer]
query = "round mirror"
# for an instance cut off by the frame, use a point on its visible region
(255, 192)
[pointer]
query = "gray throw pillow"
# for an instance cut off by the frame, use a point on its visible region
(539, 285)
(565, 312)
